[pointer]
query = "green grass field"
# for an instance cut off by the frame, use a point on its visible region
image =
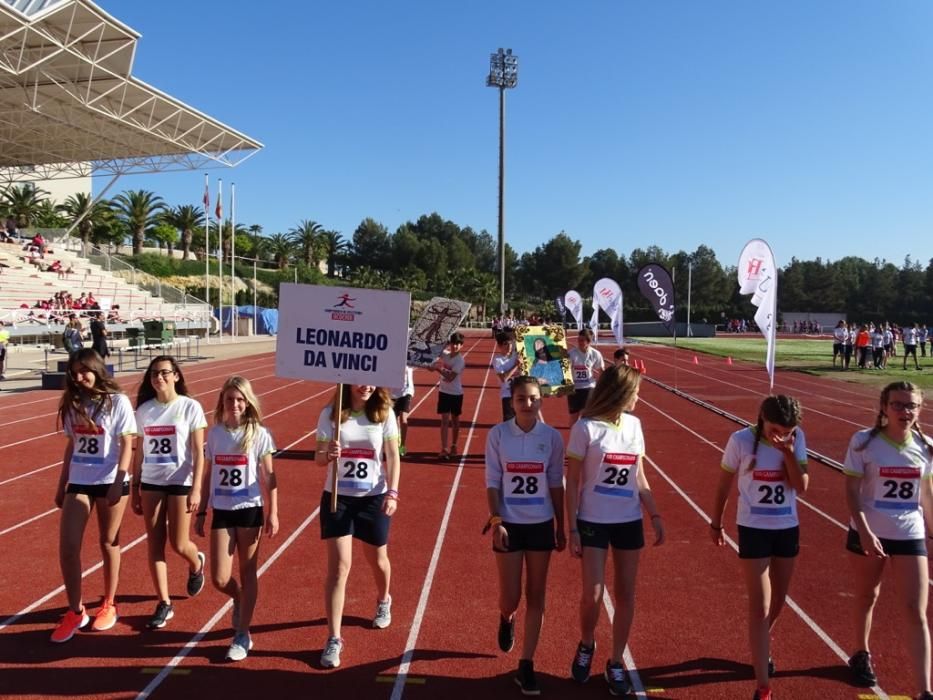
(804, 355)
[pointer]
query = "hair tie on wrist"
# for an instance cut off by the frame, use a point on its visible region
(494, 521)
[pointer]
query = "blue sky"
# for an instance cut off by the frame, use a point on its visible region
(671, 123)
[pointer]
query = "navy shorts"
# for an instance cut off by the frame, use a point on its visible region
(359, 516)
(762, 543)
(630, 535)
(167, 489)
(96, 490)
(241, 518)
(535, 537)
(577, 400)
(837, 349)
(893, 548)
(402, 405)
(449, 403)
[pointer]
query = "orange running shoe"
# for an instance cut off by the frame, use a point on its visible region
(106, 617)
(70, 623)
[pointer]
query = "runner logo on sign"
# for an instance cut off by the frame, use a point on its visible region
(617, 475)
(358, 469)
(525, 483)
(772, 494)
(898, 488)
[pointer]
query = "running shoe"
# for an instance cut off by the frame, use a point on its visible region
(525, 678)
(617, 679)
(163, 613)
(196, 580)
(240, 647)
(383, 617)
(506, 634)
(70, 623)
(763, 694)
(106, 617)
(582, 661)
(401, 450)
(331, 656)
(860, 663)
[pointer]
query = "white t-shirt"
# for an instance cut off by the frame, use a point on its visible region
(611, 454)
(166, 430)
(766, 499)
(235, 475)
(457, 364)
(890, 483)
(888, 337)
(524, 466)
(840, 334)
(407, 388)
(910, 336)
(582, 365)
(96, 451)
(877, 340)
(361, 471)
(501, 364)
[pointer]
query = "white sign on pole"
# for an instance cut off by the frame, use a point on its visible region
(342, 335)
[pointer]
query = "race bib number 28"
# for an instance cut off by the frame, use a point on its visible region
(160, 444)
(357, 468)
(898, 488)
(617, 475)
(524, 483)
(770, 493)
(89, 446)
(230, 475)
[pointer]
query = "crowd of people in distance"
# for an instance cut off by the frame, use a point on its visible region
(587, 494)
(873, 345)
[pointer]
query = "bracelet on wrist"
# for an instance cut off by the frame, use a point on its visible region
(494, 521)
(717, 529)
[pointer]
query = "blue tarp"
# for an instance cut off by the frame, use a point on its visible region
(267, 320)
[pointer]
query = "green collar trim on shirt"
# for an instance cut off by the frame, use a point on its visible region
(897, 445)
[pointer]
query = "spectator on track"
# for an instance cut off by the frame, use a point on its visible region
(910, 344)
(450, 366)
(863, 346)
(367, 497)
(586, 364)
(771, 463)
(606, 487)
(889, 491)
(168, 470)
(241, 484)
(621, 357)
(505, 365)
(525, 494)
(840, 332)
(97, 418)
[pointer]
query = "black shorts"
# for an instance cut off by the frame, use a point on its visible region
(761, 543)
(630, 535)
(508, 413)
(577, 400)
(361, 517)
(96, 490)
(536, 537)
(241, 518)
(910, 350)
(167, 489)
(449, 403)
(837, 349)
(402, 405)
(893, 548)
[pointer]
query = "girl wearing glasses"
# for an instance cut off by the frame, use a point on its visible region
(169, 464)
(97, 418)
(770, 460)
(889, 492)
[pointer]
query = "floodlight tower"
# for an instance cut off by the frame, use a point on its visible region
(503, 74)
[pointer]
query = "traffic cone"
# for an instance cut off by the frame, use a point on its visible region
(644, 370)
(729, 361)
(696, 360)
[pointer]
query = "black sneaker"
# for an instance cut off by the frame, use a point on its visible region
(196, 580)
(770, 667)
(525, 678)
(582, 661)
(163, 613)
(617, 679)
(506, 634)
(925, 695)
(860, 663)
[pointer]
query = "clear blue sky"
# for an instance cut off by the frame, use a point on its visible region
(675, 123)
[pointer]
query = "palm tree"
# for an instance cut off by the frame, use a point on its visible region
(186, 218)
(89, 214)
(307, 236)
(139, 210)
(280, 247)
(256, 231)
(335, 246)
(23, 203)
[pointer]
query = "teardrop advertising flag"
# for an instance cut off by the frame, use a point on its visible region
(655, 284)
(757, 274)
(574, 303)
(608, 295)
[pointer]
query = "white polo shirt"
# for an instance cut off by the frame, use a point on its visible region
(582, 365)
(500, 365)
(457, 364)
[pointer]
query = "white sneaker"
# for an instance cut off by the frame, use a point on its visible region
(240, 647)
(383, 616)
(331, 656)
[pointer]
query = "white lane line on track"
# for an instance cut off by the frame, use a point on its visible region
(809, 621)
(30, 473)
(193, 642)
(399, 687)
(26, 522)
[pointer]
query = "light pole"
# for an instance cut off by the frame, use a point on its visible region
(503, 73)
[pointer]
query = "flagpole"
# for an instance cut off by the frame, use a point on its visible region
(207, 238)
(219, 214)
(233, 312)
(254, 293)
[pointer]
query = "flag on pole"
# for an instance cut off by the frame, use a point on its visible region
(219, 209)
(758, 276)
(574, 304)
(594, 321)
(608, 295)
(207, 198)
(656, 285)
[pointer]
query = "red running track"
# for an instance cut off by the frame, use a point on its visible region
(688, 640)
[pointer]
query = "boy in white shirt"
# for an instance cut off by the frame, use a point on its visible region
(505, 365)
(450, 365)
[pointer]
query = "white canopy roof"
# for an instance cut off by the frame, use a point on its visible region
(70, 106)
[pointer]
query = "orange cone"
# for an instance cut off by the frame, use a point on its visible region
(729, 361)
(696, 360)
(644, 370)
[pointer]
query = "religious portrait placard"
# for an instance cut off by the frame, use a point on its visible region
(542, 353)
